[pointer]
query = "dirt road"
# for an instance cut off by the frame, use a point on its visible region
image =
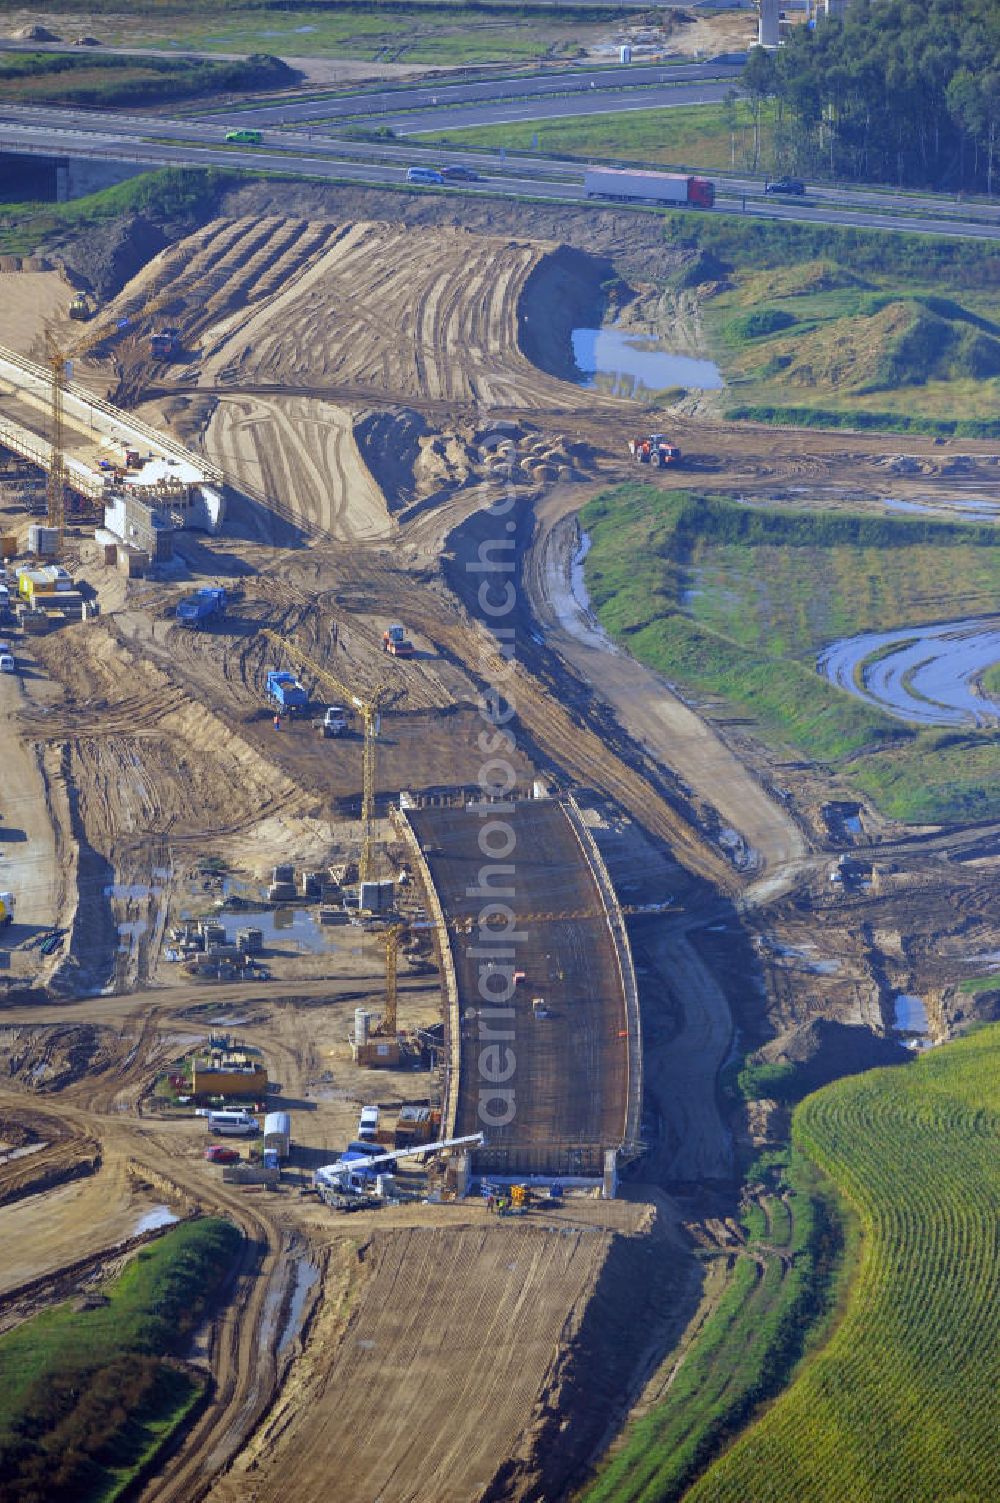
(643, 702)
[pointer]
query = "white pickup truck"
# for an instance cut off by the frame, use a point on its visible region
(334, 722)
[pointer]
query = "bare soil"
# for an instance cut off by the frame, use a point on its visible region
(353, 376)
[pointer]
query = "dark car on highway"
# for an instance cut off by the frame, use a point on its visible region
(786, 185)
(459, 174)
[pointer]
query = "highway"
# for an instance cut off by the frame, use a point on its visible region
(658, 97)
(158, 141)
(568, 81)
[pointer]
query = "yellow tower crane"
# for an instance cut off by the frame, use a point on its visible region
(369, 708)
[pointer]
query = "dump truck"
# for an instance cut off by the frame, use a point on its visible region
(196, 609)
(6, 908)
(649, 187)
(654, 449)
(163, 343)
(395, 641)
(80, 307)
(285, 691)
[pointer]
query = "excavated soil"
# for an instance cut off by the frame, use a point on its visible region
(340, 367)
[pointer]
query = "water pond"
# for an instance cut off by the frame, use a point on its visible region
(624, 364)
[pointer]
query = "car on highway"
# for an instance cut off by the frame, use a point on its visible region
(460, 174)
(786, 185)
(220, 1154)
(423, 175)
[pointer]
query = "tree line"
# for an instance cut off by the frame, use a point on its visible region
(895, 91)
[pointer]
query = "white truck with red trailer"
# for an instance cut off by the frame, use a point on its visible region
(649, 187)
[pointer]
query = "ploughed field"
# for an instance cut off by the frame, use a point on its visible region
(902, 1401)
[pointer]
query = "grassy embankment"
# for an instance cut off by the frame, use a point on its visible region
(700, 135)
(88, 1394)
(177, 195)
(900, 1400)
(722, 599)
(397, 32)
(102, 81)
(828, 327)
(774, 1305)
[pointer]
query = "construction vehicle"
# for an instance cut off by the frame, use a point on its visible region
(370, 711)
(395, 641)
(285, 691)
(656, 450)
(163, 344)
(649, 187)
(334, 722)
(81, 308)
(196, 609)
(6, 908)
(360, 1174)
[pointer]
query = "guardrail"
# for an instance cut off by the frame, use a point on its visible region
(449, 979)
(40, 374)
(631, 1138)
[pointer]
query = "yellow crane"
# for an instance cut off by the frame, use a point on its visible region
(369, 708)
(393, 934)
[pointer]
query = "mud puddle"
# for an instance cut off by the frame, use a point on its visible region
(625, 364)
(306, 1275)
(921, 674)
(156, 1217)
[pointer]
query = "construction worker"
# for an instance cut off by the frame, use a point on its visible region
(277, 722)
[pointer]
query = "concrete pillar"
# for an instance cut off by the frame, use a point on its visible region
(463, 1173)
(767, 25)
(609, 1190)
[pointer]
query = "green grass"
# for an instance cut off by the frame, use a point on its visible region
(97, 80)
(722, 600)
(183, 196)
(772, 1309)
(848, 328)
(973, 984)
(387, 33)
(901, 1402)
(695, 135)
(88, 1395)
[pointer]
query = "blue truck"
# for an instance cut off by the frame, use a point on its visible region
(285, 692)
(196, 609)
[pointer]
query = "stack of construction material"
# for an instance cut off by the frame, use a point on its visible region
(282, 887)
(250, 941)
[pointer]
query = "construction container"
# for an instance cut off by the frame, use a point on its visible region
(281, 892)
(378, 1054)
(283, 873)
(212, 933)
(8, 546)
(228, 1080)
(333, 916)
(250, 941)
(132, 562)
(376, 897)
(312, 884)
(43, 540)
(278, 1133)
(33, 622)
